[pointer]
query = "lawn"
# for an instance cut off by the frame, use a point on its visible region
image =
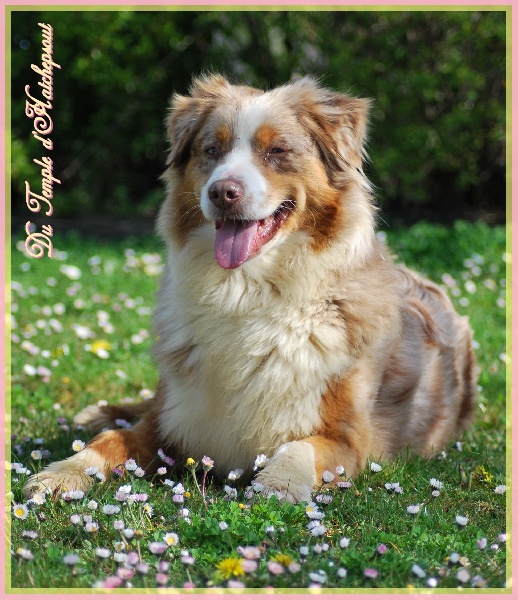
(81, 334)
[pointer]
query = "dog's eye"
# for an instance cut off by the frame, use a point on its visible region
(277, 150)
(212, 151)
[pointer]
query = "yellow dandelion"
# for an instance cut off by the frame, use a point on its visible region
(187, 495)
(241, 506)
(283, 559)
(190, 462)
(231, 567)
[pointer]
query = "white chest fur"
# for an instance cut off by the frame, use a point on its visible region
(258, 359)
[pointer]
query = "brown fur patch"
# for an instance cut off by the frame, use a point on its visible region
(265, 136)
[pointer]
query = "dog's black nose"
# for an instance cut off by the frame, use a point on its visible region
(225, 192)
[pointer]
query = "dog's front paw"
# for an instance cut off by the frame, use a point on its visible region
(57, 477)
(66, 475)
(290, 474)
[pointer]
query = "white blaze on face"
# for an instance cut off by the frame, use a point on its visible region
(239, 164)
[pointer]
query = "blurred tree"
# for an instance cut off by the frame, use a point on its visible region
(437, 78)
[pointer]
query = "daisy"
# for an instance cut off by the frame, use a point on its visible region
(275, 568)
(370, 573)
(319, 577)
(500, 489)
(324, 499)
(232, 492)
(102, 553)
(461, 520)
(20, 511)
(235, 474)
(418, 572)
(344, 485)
(78, 445)
(412, 509)
(137, 497)
(435, 483)
(171, 539)
(30, 535)
(261, 461)
(178, 489)
(120, 557)
(318, 529)
(25, 553)
(130, 465)
(314, 514)
(92, 527)
(71, 560)
(142, 568)
(327, 476)
(249, 552)
(38, 499)
(165, 458)
(344, 542)
(111, 509)
(157, 547)
(375, 468)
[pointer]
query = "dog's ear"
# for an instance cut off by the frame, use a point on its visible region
(188, 113)
(337, 123)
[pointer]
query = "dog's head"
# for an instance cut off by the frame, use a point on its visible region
(261, 165)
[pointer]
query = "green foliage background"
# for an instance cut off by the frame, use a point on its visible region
(437, 139)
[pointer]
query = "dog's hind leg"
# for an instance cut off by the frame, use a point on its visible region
(96, 418)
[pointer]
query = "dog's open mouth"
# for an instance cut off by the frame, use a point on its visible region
(238, 241)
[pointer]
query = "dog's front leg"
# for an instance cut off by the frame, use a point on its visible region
(105, 452)
(344, 438)
(296, 468)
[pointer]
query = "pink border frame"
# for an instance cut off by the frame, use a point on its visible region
(512, 243)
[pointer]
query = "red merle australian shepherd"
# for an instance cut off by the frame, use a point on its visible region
(284, 327)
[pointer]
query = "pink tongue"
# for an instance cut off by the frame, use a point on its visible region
(235, 242)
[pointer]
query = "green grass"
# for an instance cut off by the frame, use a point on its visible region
(113, 279)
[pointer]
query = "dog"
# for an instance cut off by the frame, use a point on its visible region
(284, 326)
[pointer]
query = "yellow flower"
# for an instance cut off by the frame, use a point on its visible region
(231, 567)
(283, 559)
(190, 462)
(484, 474)
(66, 379)
(20, 511)
(187, 495)
(100, 345)
(241, 506)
